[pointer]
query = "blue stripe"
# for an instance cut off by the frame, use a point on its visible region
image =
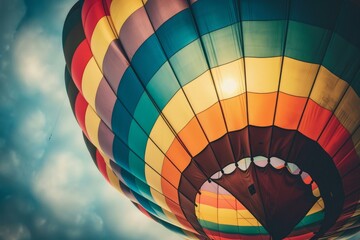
(177, 32)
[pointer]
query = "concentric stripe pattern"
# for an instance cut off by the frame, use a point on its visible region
(156, 84)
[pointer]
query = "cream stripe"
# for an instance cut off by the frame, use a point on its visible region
(90, 81)
(120, 10)
(92, 122)
(101, 39)
(225, 216)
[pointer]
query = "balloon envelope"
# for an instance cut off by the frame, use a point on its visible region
(223, 119)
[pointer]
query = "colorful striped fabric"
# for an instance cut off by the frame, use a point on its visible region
(223, 119)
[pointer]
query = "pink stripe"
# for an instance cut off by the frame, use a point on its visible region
(161, 10)
(214, 188)
(114, 65)
(136, 29)
(106, 139)
(105, 101)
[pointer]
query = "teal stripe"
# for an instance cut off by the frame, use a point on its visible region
(343, 60)
(264, 39)
(145, 114)
(130, 90)
(212, 15)
(163, 85)
(223, 46)
(177, 32)
(189, 63)
(120, 121)
(246, 230)
(306, 43)
(311, 219)
(148, 59)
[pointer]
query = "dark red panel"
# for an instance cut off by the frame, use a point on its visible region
(92, 12)
(80, 59)
(80, 111)
(101, 165)
(334, 136)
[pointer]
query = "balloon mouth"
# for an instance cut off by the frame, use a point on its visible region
(278, 193)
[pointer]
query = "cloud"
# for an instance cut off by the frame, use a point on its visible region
(37, 56)
(14, 232)
(75, 192)
(58, 185)
(30, 134)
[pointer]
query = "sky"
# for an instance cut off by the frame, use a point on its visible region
(49, 185)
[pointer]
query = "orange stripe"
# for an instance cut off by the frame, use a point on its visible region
(178, 155)
(289, 110)
(235, 112)
(193, 137)
(261, 108)
(212, 122)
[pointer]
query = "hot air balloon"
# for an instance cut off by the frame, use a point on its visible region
(223, 119)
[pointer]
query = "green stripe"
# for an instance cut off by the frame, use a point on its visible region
(310, 219)
(247, 230)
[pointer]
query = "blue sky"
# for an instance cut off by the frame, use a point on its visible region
(49, 186)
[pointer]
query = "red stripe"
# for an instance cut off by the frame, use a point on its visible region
(346, 159)
(92, 12)
(80, 111)
(79, 61)
(101, 165)
(175, 209)
(228, 236)
(301, 237)
(143, 210)
(314, 120)
(334, 136)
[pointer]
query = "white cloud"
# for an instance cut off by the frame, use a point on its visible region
(38, 62)
(71, 188)
(30, 135)
(58, 185)
(67, 185)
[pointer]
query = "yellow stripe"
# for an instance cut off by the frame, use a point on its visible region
(161, 135)
(201, 92)
(229, 79)
(114, 181)
(92, 122)
(318, 206)
(120, 10)
(225, 216)
(178, 111)
(101, 39)
(90, 82)
(297, 77)
(328, 89)
(348, 111)
(153, 152)
(262, 74)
